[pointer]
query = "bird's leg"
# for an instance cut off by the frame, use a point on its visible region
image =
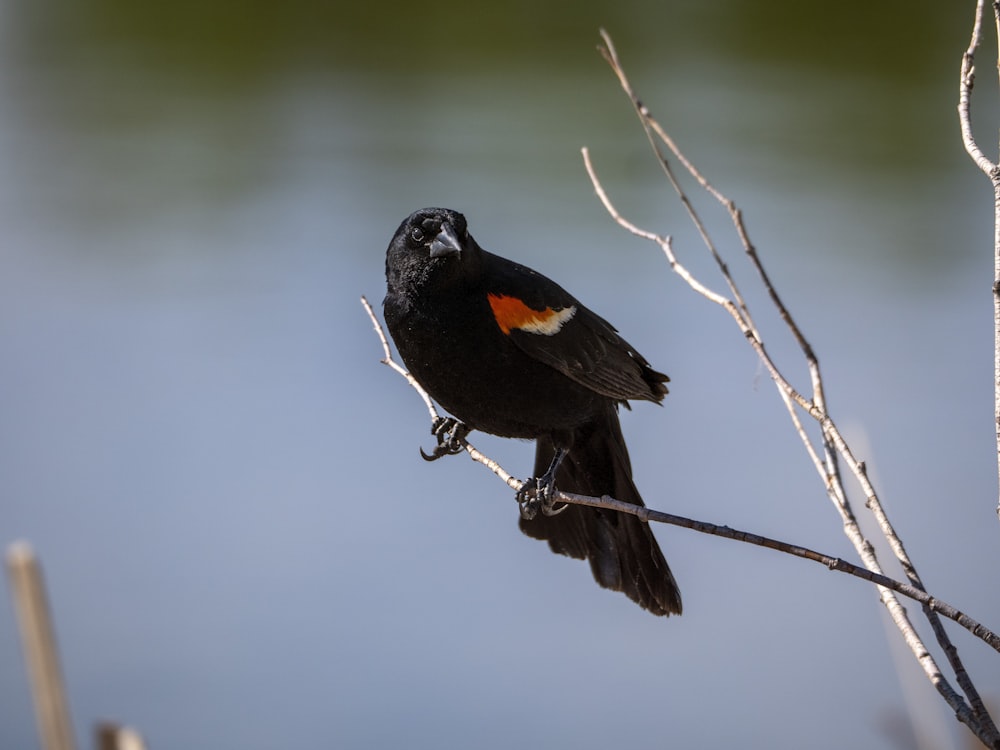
(538, 493)
(450, 434)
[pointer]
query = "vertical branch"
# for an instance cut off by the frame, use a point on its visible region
(994, 175)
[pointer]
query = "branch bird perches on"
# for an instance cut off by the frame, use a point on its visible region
(826, 453)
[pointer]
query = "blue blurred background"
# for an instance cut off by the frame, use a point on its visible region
(243, 547)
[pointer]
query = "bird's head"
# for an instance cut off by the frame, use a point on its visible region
(432, 247)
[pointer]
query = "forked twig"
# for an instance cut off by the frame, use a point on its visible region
(834, 447)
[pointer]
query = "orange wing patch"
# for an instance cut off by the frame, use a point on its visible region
(511, 313)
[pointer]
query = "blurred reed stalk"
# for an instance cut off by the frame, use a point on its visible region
(39, 642)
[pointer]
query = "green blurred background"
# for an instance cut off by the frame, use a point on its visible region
(243, 547)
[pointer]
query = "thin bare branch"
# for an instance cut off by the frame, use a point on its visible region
(390, 362)
(967, 76)
(649, 514)
(834, 446)
(967, 79)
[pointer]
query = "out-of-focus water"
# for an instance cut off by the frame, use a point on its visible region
(243, 547)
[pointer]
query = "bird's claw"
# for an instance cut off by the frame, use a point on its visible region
(538, 494)
(450, 434)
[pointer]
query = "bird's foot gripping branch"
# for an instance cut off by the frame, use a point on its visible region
(450, 434)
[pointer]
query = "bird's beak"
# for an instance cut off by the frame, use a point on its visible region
(446, 243)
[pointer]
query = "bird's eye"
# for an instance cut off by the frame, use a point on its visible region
(417, 234)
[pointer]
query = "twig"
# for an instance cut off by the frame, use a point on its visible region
(966, 81)
(833, 444)
(388, 360)
(648, 514)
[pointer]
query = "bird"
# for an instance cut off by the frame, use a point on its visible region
(507, 351)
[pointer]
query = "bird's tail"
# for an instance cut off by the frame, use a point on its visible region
(621, 549)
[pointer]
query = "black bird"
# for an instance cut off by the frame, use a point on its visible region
(508, 351)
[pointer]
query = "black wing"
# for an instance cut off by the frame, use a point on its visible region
(574, 340)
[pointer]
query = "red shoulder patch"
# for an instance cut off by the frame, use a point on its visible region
(511, 313)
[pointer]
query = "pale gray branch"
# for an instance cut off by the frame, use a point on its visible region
(649, 514)
(966, 81)
(834, 446)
